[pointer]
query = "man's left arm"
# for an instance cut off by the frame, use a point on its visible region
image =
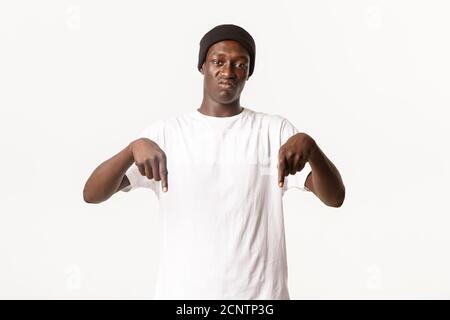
(324, 181)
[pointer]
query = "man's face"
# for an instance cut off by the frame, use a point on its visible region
(225, 71)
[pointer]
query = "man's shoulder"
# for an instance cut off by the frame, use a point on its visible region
(168, 122)
(271, 118)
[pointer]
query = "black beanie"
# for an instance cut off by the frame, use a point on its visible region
(227, 32)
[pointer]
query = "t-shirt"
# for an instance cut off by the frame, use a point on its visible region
(222, 223)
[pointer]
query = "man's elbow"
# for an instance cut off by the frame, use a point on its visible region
(88, 198)
(339, 200)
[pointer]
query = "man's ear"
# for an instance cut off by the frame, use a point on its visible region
(201, 68)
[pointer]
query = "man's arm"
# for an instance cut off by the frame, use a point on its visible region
(109, 177)
(325, 180)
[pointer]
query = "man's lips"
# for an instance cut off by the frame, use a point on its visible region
(227, 84)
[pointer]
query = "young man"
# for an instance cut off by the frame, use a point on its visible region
(219, 173)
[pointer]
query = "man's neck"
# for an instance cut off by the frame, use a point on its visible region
(214, 109)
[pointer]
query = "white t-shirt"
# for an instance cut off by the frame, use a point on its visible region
(222, 218)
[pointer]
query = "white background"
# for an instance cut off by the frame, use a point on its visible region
(368, 80)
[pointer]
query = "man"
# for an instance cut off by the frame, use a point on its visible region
(219, 173)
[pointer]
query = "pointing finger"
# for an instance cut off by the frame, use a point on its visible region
(163, 173)
(281, 169)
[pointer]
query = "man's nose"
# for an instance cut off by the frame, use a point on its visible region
(227, 70)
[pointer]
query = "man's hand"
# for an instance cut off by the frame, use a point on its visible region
(293, 155)
(150, 160)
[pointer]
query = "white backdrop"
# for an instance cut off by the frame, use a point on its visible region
(368, 80)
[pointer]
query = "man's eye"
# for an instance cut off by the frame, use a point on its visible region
(242, 65)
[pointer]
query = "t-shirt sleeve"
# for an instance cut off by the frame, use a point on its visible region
(154, 133)
(297, 180)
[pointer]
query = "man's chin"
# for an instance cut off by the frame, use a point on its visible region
(225, 101)
(226, 95)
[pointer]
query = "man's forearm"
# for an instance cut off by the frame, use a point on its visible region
(327, 181)
(106, 178)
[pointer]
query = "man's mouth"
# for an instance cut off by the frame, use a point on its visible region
(226, 84)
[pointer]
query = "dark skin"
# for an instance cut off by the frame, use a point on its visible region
(324, 180)
(225, 71)
(226, 61)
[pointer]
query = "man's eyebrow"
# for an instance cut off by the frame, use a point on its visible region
(222, 54)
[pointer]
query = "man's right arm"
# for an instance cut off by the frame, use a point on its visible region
(109, 177)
